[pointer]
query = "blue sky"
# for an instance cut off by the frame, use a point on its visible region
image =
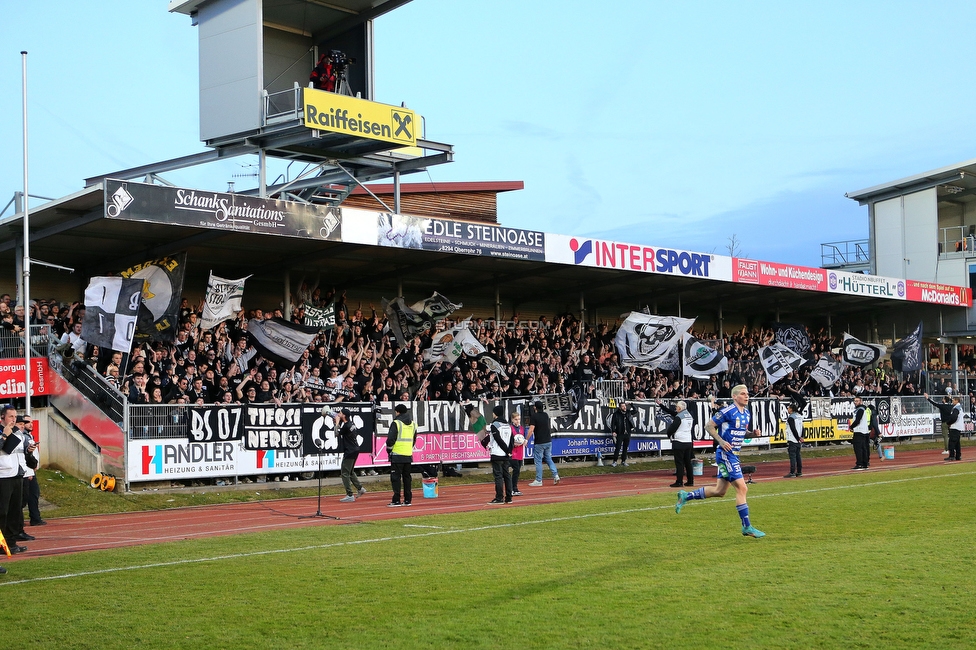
(677, 124)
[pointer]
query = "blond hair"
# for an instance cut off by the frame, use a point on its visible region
(739, 388)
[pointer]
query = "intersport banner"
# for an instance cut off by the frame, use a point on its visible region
(606, 254)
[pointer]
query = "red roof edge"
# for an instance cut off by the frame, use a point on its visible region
(444, 187)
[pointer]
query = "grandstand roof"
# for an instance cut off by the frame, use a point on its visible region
(73, 231)
(961, 175)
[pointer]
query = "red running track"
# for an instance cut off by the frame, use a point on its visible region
(78, 534)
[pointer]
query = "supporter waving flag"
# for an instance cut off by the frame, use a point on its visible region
(223, 300)
(406, 321)
(492, 364)
(827, 372)
(907, 353)
(861, 354)
(280, 341)
(111, 308)
(452, 343)
(323, 318)
(778, 361)
(645, 340)
(700, 360)
(792, 335)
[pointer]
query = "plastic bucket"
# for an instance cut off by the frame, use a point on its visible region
(697, 467)
(889, 452)
(430, 488)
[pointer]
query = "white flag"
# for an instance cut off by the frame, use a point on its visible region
(827, 372)
(861, 354)
(778, 361)
(223, 300)
(451, 343)
(700, 360)
(645, 341)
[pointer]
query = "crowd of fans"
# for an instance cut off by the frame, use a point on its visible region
(360, 360)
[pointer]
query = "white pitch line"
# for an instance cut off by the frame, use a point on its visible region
(419, 526)
(454, 531)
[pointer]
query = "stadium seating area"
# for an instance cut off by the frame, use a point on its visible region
(360, 361)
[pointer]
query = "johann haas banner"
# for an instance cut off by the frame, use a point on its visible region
(219, 211)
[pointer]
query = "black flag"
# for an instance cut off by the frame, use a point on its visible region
(794, 336)
(280, 341)
(907, 353)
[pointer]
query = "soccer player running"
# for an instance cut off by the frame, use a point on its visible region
(728, 427)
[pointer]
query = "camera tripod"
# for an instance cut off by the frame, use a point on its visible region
(342, 84)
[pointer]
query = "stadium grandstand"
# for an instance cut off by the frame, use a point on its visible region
(351, 286)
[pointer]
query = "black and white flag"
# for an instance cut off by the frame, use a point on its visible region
(778, 361)
(861, 354)
(323, 318)
(907, 353)
(406, 321)
(827, 372)
(700, 360)
(111, 309)
(492, 364)
(223, 300)
(645, 341)
(162, 292)
(280, 341)
(794, 336)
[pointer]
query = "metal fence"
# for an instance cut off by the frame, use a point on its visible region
(609, 391)
(154, 421)
(12, 344)
(89, 383)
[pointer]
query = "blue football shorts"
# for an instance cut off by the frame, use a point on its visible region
(729, 468)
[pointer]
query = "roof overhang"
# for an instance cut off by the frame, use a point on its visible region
(964, 173)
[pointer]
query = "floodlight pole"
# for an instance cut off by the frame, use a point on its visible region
(25, 299)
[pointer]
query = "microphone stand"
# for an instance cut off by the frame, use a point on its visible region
(318, 509)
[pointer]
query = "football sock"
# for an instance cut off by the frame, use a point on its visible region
(697, 494)
(744, 514)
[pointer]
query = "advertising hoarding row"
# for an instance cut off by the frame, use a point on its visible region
(241, 447)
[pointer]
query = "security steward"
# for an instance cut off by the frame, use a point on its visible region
(399, 447)
(861, 429)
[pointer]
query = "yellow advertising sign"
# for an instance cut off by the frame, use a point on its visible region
(820, 430)
(341, 114)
